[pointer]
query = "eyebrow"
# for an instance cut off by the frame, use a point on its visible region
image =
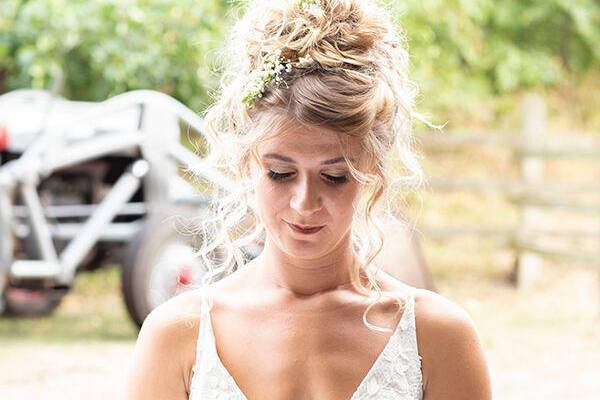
(290, 160)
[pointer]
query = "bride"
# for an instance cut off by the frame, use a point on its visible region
(313, 120)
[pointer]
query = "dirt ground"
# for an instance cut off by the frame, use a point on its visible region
(63, 371)
(541, 344)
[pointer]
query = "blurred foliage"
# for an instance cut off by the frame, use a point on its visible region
(105, 47)
(465, 53)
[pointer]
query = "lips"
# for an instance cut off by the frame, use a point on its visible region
(304, 228)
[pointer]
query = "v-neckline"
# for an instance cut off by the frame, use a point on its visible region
(364, 380)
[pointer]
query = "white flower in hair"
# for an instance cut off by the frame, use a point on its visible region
(271, 69)
(274, 64)
(310, 5)
(306, 61)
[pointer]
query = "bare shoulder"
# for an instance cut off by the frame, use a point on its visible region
(173, 323)
(165, 350)
(453, 360)
(437, 313)
(176, 316)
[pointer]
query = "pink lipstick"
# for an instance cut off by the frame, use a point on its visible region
(305, 230)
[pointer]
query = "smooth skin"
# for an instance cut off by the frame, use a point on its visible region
(304, 282)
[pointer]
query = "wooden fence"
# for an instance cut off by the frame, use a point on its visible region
(530, 193)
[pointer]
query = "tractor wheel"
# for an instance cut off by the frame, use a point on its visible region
(160, 262)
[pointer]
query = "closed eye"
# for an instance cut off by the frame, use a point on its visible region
(336, 179)
(277, 176)
(331, 178)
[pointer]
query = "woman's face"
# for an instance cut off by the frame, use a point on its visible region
(305, 182)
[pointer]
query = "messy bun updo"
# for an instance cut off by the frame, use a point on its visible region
(357, 86)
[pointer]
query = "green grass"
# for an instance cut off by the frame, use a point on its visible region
(93, 310)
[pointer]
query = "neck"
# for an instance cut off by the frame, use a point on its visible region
(305, 277)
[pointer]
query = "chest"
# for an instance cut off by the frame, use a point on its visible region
(325, 357)
(313, 360)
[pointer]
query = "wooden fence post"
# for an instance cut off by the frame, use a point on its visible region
(533, 129)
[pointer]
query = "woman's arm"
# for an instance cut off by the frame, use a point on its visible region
(454, 364)
(165, 352)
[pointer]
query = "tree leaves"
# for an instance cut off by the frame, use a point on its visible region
(463, 51)
(105, 47)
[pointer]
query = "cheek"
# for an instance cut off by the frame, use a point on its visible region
(342, 204)
(270, 198)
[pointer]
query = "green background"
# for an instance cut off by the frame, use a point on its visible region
(470, 57)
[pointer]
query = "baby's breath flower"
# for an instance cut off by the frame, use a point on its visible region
(274, 64)
(305, 61)
(271, 69)
(309, 4)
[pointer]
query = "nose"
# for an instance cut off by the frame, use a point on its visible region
(306, 199)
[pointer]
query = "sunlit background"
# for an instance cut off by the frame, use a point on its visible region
(509, 223)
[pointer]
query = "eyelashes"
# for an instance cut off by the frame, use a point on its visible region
(337, 180)
(277, 176)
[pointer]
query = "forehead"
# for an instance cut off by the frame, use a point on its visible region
(310, 145)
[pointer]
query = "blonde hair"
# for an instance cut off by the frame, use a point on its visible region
(358, 87)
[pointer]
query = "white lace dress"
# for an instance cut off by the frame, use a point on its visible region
(396, 374)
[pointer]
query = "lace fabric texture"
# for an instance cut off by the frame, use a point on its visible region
(396, 374)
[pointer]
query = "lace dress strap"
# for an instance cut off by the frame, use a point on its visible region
(201, 342)
(210, 380)
(397, 373)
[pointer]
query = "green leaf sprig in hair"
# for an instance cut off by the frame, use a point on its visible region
(274, 65)
(272, 68)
